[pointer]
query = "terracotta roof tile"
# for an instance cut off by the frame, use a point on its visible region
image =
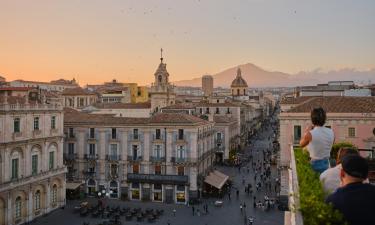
(224, 119)
(295, 100)
(118, 105)
(338, 104)
(176, 118)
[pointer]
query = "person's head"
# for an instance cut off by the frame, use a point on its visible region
(344, 152)
(318, 116)
(354, 169)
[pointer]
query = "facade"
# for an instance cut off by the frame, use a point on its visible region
(78, 98)
(352, 119)
(161, 92)
(238, 86)
(162, 158)
(133, 110)
(226, 137)
(117, 94)
(32, 174)
(207, 85)
(57, 85)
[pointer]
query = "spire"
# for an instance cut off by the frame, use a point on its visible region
(161, 55)
(238, 72)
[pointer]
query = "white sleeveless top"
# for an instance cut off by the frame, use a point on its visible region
(321, 142)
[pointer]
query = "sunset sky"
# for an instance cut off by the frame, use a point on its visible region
(97, 40)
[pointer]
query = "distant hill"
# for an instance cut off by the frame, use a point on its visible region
(258, 77)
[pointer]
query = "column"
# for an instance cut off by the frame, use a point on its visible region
(62, 191)
(30, 206)
(9, 210)
(27, 161)
(48, 196)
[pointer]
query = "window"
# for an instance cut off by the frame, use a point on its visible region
(158, 169)
(157, 134)
(228, 110)
(200, 110)
(34, 164)
(217, 101)
(70, 148)
(92, 132)
(91, 149)
(157, 151)
(297, 133)
(54, 194)
(135, 152)
(114, 169)
(135, 134)
(218, 136)
(114, 134)
(18, 205)
(113, 150)
(180, 152)
(207, 110)
(238, 91)
(51, 160)
(351, 132)
(37, 200)
(53, 122)
(217, 111)
(36, 123)
(180, 171)
(71, 132)
(16, 125)
(14, 168)
(136, 168)
(180, 134)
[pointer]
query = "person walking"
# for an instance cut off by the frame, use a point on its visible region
(193, 208)
(241, 208)
(174, 212)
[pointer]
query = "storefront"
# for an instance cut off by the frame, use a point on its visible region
(135, 193)
(181, 196)
(91, 187)
(113, 189)
(157, 192)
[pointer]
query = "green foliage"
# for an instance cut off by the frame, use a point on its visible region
(337, 146)
(311, 195)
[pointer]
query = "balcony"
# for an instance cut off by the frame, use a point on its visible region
(219, 148)
(157, 159)
(54, 132)
(70, 156)
(32, 178)
(36, 133)
(157, 178)
(116, 157)
(16, 135)
(91, 156)
(179, 160)
(89, 173)
(134, 158)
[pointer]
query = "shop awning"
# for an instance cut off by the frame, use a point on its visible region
(216, 179)
(72, 186)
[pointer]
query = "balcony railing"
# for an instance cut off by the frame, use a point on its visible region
(70, 156)
(134, 158)
(113, 157)
(32, 178)
(91, 156)
(157, 178)
(157, 159)
(180, 160)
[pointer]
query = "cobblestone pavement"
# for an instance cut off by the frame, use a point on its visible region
(228, 214)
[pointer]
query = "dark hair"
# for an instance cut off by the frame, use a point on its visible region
(344, 152)
(318, 116)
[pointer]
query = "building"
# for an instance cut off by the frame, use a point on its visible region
(161, 92)
(2, 81)
(207, 85)
(57, 85)
(115, 94)
(238, 86)
(352, 119)
(133, 110)
(32, 174)
(78, 98)
(162, 158)
(226, 137)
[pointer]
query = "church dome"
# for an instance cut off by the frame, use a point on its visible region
(238, 81)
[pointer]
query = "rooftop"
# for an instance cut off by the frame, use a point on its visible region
(224, 119)
(77, 91)
(338, 104)
(16, 88)
(118, 105)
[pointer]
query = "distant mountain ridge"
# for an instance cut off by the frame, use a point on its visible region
(258, 77)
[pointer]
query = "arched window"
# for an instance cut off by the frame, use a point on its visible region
(113, 184)
(244, 91)
(37, 200)
(160, 78)
(18, 205)
(54, 194)
(238, 91)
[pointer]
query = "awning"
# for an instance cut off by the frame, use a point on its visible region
(72, 186)
(216, 179)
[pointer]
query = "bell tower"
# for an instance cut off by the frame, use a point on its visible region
(162, 92)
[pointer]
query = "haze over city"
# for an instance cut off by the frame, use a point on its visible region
(95, 41)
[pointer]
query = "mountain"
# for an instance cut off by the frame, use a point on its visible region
(258, 77)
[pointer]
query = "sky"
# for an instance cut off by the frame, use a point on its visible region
(97, 40)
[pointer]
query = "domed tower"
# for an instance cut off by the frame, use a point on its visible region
(239, 85)
(162, 92)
